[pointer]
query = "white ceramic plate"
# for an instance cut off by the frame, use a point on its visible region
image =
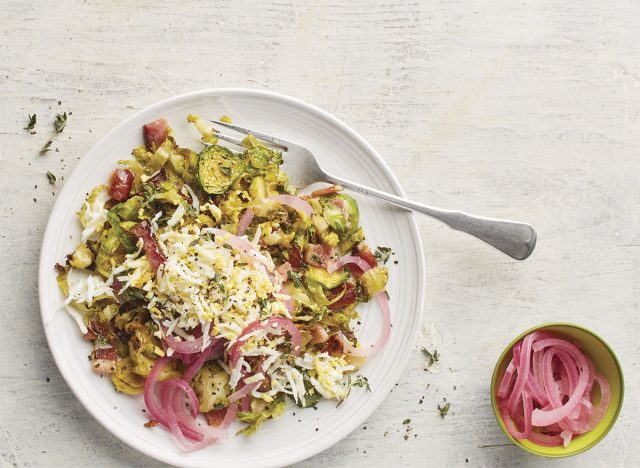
(342, 152)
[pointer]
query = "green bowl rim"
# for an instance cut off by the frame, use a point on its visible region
(508, 349)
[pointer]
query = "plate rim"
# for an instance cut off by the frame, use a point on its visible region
(323, 444)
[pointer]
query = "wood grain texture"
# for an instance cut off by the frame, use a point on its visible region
(528, 110)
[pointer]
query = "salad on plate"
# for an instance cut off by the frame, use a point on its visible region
(210, 287)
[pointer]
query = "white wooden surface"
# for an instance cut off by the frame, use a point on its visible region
(521, 109)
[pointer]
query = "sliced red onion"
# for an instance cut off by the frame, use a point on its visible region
(245, 220)
(554, 405)
(357, 261)
(241, 245)
(545, 418)
(296, 203)
(270, 323)
(244, 391)
(382, 339)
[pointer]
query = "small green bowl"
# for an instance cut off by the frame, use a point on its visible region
(605, 362)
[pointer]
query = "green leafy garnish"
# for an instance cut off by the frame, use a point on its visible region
(432, 357)
(60, 122)
(32, 122)
(362, 381)
(382, 254)
(444, 409)
(46, 147)
(51, 177)
(126, 241)
(295, 277)
(406, 421)
(314, 258)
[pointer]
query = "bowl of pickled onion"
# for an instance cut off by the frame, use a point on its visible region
(557, 390)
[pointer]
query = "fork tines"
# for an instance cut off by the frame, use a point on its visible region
(275, 141)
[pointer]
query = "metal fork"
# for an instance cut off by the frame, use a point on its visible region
(511, 237)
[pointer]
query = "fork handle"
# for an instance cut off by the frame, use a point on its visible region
(510, 237)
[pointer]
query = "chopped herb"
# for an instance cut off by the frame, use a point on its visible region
(432, 358)
(314, 258)
(362, 381)
(382, 254)
(60, 122)
(295, 277)
(406, 421)
(264, 305)
(51, 177)
(444, 409)
(46, 147)
(32, 122)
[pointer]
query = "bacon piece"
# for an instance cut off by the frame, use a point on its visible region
(215, 417)
(295, 257)
(317, 254)
(151, 249)
(347, 298)
(104, 360)
(116, 285)
(283, 270)
(121, 183)
(318, 334)
(363, 251)
(155, 133)
(334, 346)
(158, 178)
(325, 191)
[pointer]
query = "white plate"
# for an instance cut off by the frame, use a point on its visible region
(342, 152)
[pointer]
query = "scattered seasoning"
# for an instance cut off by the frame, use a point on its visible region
(406, 421)
(382, 254)
(48, 379)
(151, 423)
(395, 262)
(51, 177)
(32, 122)
(60, 122)
(317, 429)
(362, 381)
(35, 200)
(47, 146)
(444, 409)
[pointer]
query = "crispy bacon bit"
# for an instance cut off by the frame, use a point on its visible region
(151, 423)
(116, 285)
(363, 251)
(99, 329)
(283, 270)
(121, 183)
(347, 298)
(155, 133)
(295, 257)
(318, 334)
(158, 178)
(326, 191)
(104, 360)
(89, 336)
(151, 249)
(106, 354)
(317, 254)
(214, 418)
(334, 346)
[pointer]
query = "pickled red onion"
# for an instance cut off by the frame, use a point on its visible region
(273, 323)
(382, 299)
(245, 220)
(547, 391)
(296, 203)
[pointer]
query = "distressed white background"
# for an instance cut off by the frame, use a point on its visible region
(526, 109)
